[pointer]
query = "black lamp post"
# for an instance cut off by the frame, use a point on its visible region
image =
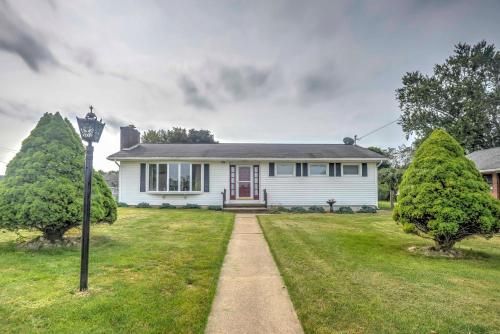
(90, 131)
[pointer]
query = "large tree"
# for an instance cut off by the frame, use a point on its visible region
(462, 96)
(43, 185)
(443, 196)
(178, 135)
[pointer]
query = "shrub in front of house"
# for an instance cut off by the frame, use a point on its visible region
(143, 205)
(214, 207)
(167, 206)
(297, 209)
(344, 210)
(43, 185)
(191, 206)
(444, 197)
(367, 209)
(316, 209)
(122, 205)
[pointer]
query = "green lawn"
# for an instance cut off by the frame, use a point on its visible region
(353, 274)
(153, 271)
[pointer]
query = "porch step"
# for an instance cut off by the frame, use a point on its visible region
(245, 205)
(246, 209)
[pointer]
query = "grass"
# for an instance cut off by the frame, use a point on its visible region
(354, 274)
(153, 271)
(384, 205)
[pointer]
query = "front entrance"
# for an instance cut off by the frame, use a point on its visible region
(244, 182)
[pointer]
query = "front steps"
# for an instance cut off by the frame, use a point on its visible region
(246, 207)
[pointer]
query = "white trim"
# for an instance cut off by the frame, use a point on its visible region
(244, 159)
(489, 170)
(352, 164)
(317, 175)
(284, 175)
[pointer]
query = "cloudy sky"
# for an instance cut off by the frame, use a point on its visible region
(250, 71)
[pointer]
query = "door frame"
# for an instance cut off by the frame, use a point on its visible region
(238, 182)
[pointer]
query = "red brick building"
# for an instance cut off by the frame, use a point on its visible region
(488, 163)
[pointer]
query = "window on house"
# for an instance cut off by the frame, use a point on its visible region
(284, 169)
(350, 169)
(185, 177)
(152, 177)
(162, 177)
(489, 179)
(196, 177)
(173, 177)
(318, 170)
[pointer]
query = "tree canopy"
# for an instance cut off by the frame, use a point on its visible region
(43, 184)
(178, 135)
(462, 96)
(443, 196)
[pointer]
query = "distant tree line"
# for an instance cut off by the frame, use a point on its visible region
(178, 135)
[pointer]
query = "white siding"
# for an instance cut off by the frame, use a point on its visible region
(316, 190)
(286, 191)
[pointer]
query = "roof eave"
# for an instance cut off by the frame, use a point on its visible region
(113, 158)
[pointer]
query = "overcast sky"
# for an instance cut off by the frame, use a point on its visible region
(250, 71)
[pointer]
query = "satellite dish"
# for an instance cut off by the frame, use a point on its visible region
(348, 141)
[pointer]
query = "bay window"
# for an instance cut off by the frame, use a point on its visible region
(174, 177)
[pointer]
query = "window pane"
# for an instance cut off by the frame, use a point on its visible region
(173, 179)
(185, 171)
(284, 169)
(318, 169)
(162, 178)
(152, 177)
(351, 169)
(196, 186)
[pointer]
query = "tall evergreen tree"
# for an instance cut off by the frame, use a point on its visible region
(444, 197)
(43, 185)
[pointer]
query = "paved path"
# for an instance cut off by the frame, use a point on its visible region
(251, 296)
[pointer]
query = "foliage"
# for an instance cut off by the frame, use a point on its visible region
(444, 197)
(167, 206)
(278, 209)
(143, 205)
(367, 209)
(297, 209)
(344, 210)
(122, 205)
(214, 207)
(316, 208)
(178, 135)
(191, 206)
(365, 258)
(462, 96)
(399, 157)
(126, 292)
(43, 185)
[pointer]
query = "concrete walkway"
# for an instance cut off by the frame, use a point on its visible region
(251, 296)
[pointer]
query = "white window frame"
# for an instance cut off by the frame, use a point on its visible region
(351, 164)
(284, 163)
(309, 165)
(178, 191)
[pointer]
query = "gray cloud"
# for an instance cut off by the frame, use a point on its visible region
(18, 38)
(192, 95)
(320, 84)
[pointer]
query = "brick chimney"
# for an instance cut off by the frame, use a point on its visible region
(129, 136)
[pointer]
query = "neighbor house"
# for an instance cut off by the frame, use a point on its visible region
(488, 163)
(235, 174)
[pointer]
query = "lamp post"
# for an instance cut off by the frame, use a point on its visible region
(90, 131)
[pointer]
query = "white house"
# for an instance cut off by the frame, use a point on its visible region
(250, 174)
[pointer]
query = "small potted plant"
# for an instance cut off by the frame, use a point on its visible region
(331, 202)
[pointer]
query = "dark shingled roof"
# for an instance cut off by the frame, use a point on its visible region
(486, 159)
(236, 151)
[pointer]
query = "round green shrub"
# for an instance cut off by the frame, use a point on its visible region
(297, 209)
(167, 206)
(316, 209)
(191, 206)
(143, 205)
(344, 210)
(367, 209)
(122, 205)
(214, 207)
(444, 197)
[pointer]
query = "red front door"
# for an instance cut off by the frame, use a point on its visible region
(244, 182)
